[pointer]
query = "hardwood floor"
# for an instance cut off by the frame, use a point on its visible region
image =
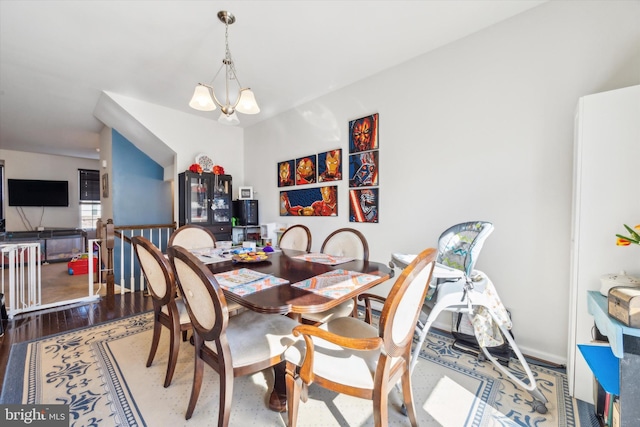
(36, 324)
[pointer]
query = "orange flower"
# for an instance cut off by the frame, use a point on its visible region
(622, 242)
(633, 237)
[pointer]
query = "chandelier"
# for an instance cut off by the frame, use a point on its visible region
(204, 97)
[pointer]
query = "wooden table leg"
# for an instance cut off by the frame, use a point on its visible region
(278, 397)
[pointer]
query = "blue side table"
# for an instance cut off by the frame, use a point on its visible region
(625, 346)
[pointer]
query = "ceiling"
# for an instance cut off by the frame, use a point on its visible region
(56, 57)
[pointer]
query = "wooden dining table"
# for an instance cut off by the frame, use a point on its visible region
(293, 301)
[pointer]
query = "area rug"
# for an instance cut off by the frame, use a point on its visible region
(100, 373)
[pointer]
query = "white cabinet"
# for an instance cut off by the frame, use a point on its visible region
(606, 195)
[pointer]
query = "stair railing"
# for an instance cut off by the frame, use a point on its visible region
(116, 240)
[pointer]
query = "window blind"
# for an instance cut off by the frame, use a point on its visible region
(89, 185)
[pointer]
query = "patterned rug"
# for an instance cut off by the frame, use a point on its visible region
(100, 373)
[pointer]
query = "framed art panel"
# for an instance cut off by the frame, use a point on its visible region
(363, 134)
(105, 185)
(363, 205)
(330, 166)
(286, 174)
(363, 169)
(306, 170)
(245, 193)
(320, 201)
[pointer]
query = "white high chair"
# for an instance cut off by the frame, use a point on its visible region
(457, 287)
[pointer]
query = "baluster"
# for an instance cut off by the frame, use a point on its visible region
(110, 240)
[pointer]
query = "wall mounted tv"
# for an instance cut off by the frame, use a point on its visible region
(33, 192)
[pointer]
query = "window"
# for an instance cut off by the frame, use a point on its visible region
(90, 209)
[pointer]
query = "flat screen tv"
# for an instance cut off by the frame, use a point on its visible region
(33, 192)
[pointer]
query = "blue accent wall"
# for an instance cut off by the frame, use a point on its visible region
(139, 193)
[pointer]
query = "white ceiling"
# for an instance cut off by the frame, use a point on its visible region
(56, 57)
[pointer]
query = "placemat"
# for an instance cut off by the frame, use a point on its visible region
(245, 281)
(324, 258)
(334, 284)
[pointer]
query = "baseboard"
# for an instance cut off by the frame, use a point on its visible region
(443, 322)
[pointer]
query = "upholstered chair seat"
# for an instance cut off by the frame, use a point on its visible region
(182, 310)
(355, 366)
(254, 337)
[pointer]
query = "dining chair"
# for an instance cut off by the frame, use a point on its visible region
(342, 242)
(347, 242)
(233, 346)
(168, 310)
(192, 236)
(296, 237)
(347, 355)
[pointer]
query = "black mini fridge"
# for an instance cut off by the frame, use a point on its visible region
(246, 211)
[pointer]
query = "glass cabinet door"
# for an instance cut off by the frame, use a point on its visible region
(221, 205)
(199, 196)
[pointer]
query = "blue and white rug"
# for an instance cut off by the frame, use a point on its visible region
(100, 373)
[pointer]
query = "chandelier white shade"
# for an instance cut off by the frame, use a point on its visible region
(204, 96)
(201, 99)
(231, 119)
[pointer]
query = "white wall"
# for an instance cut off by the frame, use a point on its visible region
(479, 129)
(187, 135)
(23, 165)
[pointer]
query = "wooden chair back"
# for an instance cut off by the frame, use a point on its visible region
(204, 299)
(168, 311)
(346, 242)
(402, 308)
(156, 269)
(192, 236)
(296, 237)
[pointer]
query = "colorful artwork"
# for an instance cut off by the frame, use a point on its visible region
(286, 173)
(363, 205)
(330, 166)
(306, 170)
(363, 134)
(363, 169)
(322, 201)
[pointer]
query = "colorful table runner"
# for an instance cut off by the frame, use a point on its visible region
(324, 258)
(245, 281)
(334, 284)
